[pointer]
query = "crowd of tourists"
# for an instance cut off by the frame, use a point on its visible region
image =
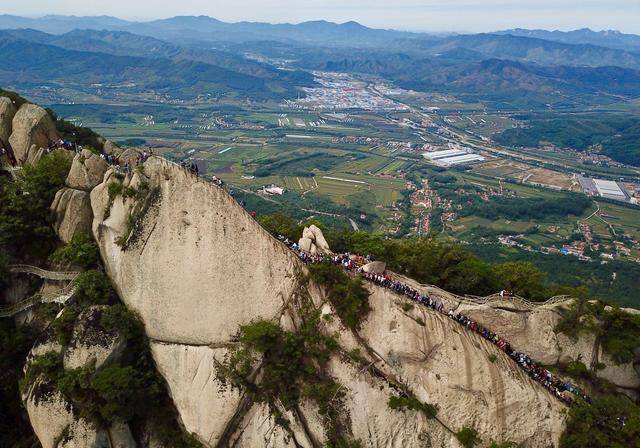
(563, 390)
(63, 144)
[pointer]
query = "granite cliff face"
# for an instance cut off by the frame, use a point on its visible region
(32, 131)
(196, 267)
(54, 420)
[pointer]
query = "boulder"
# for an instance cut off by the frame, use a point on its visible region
(32, 130)
(305, 244)
(375, 267)
(313, 241)
(307, 233)
(55, 424)
(111, 148)
(91, 343)
(7, 112)
(87, 171)
(129, 156)
(319, 240)
(72, 213)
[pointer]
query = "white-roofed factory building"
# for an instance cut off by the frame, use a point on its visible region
(610, 189)
(451, 157)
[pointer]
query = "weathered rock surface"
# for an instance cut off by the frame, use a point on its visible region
(129, 156)
(204, 407)
(110, 147)
(53, 418)
(87, 171)
(200, 266)
(56, 426)
(91, 344)
(445, 364)
(72, 213)
(313, 241)
(375, 267)
(190, 259)
(7, 112)
(32, 130)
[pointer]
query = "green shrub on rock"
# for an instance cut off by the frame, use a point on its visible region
(46, 365)
(81, 251)
(347, 295)
(468, 437)
(412, 403)
(92, 288)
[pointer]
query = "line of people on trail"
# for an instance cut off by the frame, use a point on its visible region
(63, 144)
(563, 390)
(190, 166)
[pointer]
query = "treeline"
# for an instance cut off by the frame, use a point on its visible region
(618, 134)
(449, 266)
(615, 281)
(529, 208)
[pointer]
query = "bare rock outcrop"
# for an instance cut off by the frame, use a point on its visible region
(375, 267)
(71, 207)
(72, 213)
(54, 419)
(196, 267)
(56, 426)
(32, 131)
(204, 407)
(111, 148)
(87, 171)
(445, 364)
(313, 241)
(7, 112)
(92, 344)
(194, 236)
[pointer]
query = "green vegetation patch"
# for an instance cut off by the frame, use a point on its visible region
(292, 365)
(24, 205)
(81, 251)
(468, 437)
(412, 403)
(347, 295)
(92, 288)
(617, 134)
(612, 422)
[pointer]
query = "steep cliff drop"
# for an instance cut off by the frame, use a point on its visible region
(196, 267)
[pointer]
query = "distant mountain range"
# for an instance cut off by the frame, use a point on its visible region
(499, 81)
(608, 38)
(83, 58)
(529, 49)
(187, 56)
(190, 29)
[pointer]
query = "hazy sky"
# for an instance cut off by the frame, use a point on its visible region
(419, 15)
